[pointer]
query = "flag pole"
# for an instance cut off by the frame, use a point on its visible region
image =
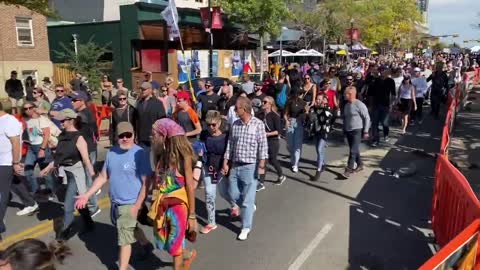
(183, 54)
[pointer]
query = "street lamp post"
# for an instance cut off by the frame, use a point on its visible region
(210, 48)
(75, 46)
(281, 42)
(352, 21)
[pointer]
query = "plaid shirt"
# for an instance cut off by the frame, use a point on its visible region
(247, 142)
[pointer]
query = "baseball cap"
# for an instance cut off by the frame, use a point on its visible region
(146, 85)
(183, 95)
(66, 114)
(417, 69)
(124, 127)
(79, 95)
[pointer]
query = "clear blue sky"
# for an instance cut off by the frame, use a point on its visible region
(455, 17)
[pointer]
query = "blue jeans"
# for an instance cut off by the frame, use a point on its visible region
(92, 202)
(211, 195)
(69, 203)
(354, 139)
(243, 189)
(321, 149)
(295, 141)
(31, 160)
(380, 116)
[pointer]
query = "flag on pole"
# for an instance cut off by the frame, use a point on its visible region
(170, 15)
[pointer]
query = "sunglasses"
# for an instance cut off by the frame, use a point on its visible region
(59, 91)
(144, 89)
(349, 79)
(66, 119)
(28, 108)
(212, 124)
(126, 135)
(208, 85)
(75, 100)
(307, 78)
(265, 102)
(122, 99)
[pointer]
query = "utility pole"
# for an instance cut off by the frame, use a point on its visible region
(210, 49)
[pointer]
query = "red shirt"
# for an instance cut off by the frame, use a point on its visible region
(331, 94)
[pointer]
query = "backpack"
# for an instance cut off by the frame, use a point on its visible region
(281, 99)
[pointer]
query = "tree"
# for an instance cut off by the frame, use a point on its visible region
(86, 61)
(378, 20)
(39, 6)
(261, 17)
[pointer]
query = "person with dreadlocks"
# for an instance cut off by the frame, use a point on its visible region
(173, 207)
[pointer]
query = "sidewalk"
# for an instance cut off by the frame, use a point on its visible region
(464, 150)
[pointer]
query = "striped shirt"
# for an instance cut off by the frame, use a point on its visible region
(247, 142)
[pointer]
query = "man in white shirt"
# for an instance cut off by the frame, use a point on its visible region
(421, 87)
(10, 155)
(247, 86)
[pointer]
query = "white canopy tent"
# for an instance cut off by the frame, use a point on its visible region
(284, 54)
(315, 53)
(311, 52)
(475, 48)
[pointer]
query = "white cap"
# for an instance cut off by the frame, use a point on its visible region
(417, 69)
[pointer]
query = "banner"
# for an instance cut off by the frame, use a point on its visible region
(217, 22)
(170, 15)
(353, 33)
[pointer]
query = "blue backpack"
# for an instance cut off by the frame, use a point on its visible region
(281, 99)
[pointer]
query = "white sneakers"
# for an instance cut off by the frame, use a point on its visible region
(295, 169)
(243, 234)
(28, 210)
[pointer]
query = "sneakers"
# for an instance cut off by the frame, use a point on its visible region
(316, 177)
(235, 211)
(374, 144)
(28, 210)
(387, 139)
(347, 172)
(295, 169)
(358, 169)
(96, 212)
(243, 234)
(208, 228)
(280, 180)
(260, 187)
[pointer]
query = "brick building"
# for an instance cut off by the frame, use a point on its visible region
(23, 45)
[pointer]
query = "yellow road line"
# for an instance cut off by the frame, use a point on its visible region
(42, 228)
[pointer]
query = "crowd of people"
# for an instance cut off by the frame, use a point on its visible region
(167, 142)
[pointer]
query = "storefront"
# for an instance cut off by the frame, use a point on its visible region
(139, 42)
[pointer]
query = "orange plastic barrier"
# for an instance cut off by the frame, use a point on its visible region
(101, 112)
(460, 253)
(455, 205)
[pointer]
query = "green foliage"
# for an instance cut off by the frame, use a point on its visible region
(87, 61)
(257, 16)
(39, 6)
(378, 20)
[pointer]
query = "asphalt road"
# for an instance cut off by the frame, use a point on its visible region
(370, 221)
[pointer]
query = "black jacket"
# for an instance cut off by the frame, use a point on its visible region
(14, 88)
(148, 112)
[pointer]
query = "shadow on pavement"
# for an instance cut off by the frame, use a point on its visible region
(107, 249)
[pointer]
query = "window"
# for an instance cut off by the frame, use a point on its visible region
(29, 73)
(24, 31)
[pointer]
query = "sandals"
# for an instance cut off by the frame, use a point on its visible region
(187, 262)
